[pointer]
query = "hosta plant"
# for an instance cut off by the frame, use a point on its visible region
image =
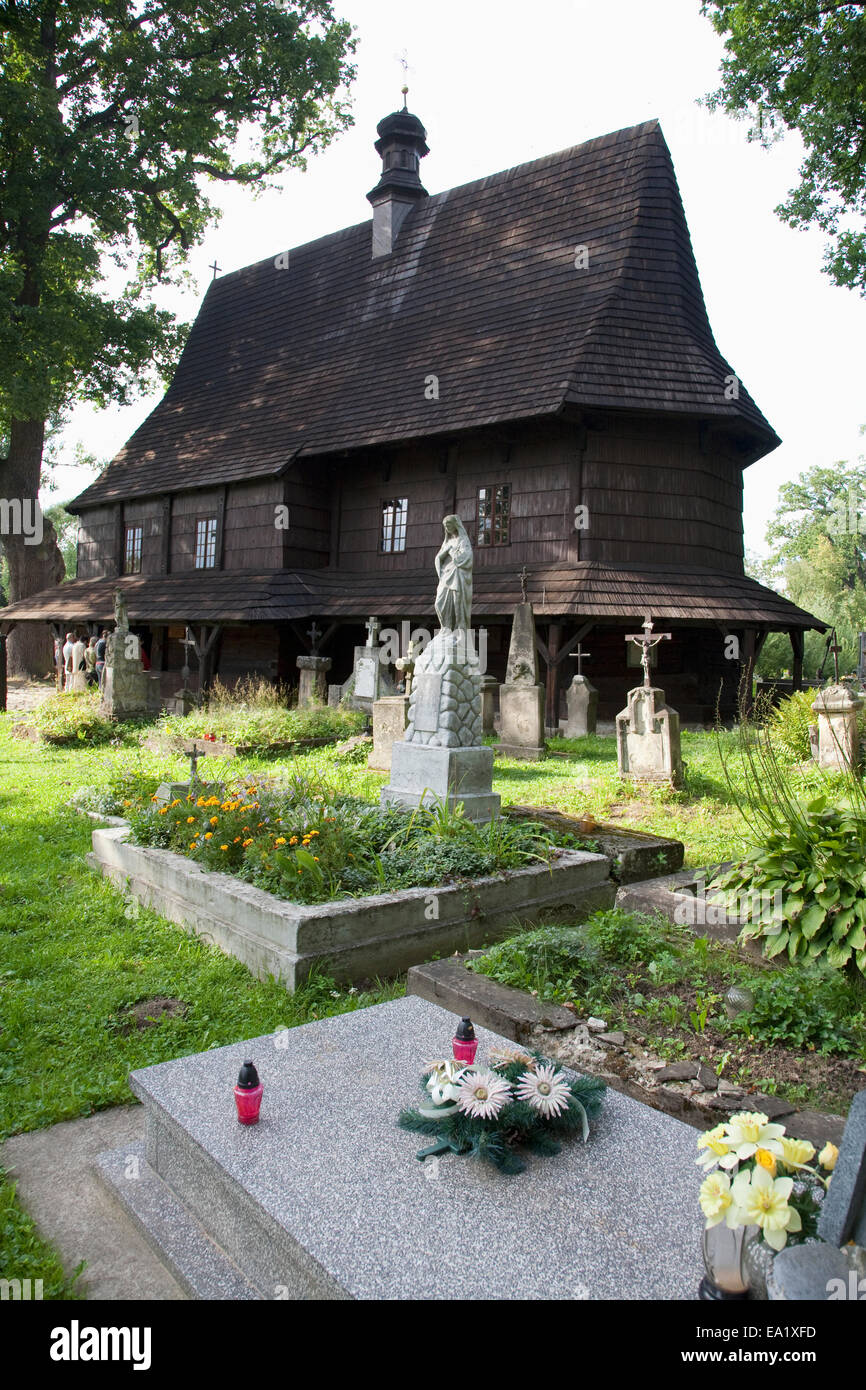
(803, 889)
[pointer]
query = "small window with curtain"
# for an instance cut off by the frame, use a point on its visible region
(205, 543)
(394, 513)
(132, 550)
(493, 515)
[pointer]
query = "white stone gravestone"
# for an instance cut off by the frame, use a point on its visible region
(521, 698)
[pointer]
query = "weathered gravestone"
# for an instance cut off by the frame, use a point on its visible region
(833, 1269)
(442, 757)
(582, 700)
(126, 691)
(390, 717)
(647, 731)
(521, 698)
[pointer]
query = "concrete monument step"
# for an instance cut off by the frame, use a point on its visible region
(324, 1197)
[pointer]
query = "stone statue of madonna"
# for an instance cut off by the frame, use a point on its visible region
(454, 568)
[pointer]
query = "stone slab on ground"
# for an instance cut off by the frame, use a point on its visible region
(326, 1194)
(59, 1186)
(511, 1012)
(634, 854)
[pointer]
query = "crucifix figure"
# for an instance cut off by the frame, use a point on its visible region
(187, 642)
(523, 578)
(215, 268)
(581, 656)
(372, 626)
(647, 640)
(314, 633)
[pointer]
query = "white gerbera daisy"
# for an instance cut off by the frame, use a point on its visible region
(545, 1089)
(483, 1094)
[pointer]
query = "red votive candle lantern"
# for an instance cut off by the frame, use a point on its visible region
(248, 1095)
(464, 1042)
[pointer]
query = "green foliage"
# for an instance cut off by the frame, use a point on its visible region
(73, 719)
(804, 1008)
(789, 723)
(23, 1252)
(301, 838)
(800, 65)
(255, 713)
(95, 164)
(518, 1124)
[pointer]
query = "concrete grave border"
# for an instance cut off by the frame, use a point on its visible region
(354, 938)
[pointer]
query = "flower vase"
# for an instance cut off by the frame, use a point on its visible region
(725, 1252)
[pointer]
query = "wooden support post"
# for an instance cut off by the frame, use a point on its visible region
(554, 636)
(3, 632)
(747, 669)
(796, 636)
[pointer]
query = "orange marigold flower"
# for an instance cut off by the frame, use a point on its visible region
(209, 835)
(223, 846)
(190, 820)
(247, 844)
(280, 841)
(163, 810)
(176, 802)
(214, 820)
(293, 840)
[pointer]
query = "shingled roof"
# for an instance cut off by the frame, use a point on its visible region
(482, 290)
(587, 589)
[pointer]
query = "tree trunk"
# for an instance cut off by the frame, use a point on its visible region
(32, 567)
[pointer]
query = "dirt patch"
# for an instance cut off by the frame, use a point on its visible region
(149, 1012)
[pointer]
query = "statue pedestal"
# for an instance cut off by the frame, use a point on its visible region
(422, 774)
(838, 733)
(126, 689)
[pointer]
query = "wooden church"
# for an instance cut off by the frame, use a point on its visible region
(530, 351)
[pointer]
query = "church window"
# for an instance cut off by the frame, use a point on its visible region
(205, 543)
(132, 550)
(493, 515)
(394, 513)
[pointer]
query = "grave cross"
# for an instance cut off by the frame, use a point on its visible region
(582, 656)
(523, 578)
(186, 643)
(647, 640)
(193, 764)
(314, 633)
(372, 625)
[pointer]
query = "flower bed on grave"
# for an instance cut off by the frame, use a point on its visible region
(301, 839)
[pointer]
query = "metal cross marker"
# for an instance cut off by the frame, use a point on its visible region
(215, 268)
(314, 633)
(193, 764)
(647, 640)
(523, 578)
(582, 656)
(372, 626)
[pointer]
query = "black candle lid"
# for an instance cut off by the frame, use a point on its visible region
(248, 1077)
(465, 1031)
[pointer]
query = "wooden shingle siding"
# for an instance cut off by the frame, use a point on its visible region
(96, 533)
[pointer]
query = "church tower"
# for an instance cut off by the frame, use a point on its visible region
(402, 143)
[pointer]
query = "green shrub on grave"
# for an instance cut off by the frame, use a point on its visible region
(72, 719)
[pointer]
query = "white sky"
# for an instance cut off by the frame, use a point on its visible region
(497, 83)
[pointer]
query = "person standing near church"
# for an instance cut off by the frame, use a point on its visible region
(67, 661)
(90, 662)
(79, 668)
(101, 648)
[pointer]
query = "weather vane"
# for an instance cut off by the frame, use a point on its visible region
(403, 60)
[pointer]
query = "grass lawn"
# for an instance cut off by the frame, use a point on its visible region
(76, 955)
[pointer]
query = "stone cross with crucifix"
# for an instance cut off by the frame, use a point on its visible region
(314, 633)
(372, 625)
(646, 640)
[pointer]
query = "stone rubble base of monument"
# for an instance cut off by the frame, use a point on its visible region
(324, 1198)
